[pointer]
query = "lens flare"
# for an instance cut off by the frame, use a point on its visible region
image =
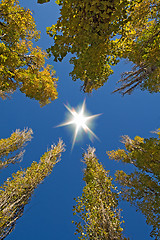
(80, 120)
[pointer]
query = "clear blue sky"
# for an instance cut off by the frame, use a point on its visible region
(49, 214)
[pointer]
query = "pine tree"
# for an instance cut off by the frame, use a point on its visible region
(98, 206)
(141, 188)
(22, 65)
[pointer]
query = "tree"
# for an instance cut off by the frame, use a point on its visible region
(97, 207)
(86, 29)
(141, 188)
(16, 192)
(14, 144)
(100, 33)
(140, 45)
(22, 65)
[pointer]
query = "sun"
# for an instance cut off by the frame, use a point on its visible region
(80, 120)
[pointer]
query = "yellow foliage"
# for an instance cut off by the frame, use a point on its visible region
(138, 140)
(14, 144)
(16, 192)
(96, 31)
(141, 187)
(23, 66)
(98, 205)
(118, 154)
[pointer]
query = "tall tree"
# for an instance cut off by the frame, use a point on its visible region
(22, 65)
(100, 33)
(97, 207)
(141, 188)
(17, 191)
(86, 29)
(11, 149)
(140, 45)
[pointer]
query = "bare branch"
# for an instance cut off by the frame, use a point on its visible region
(131, 80)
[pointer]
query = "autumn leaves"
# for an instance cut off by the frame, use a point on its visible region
(98, 33)
(22, 65)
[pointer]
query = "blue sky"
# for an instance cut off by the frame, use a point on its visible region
(49, 214)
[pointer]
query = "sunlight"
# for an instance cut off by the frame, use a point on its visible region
(80, 121)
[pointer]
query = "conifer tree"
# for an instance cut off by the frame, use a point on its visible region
(141, 187)
(22, 65)
(98, 206)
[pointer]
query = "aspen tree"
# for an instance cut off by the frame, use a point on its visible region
(97, 208)
(22, 66)
(141, 187)
(17, 190)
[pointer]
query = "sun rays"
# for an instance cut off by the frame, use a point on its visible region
(80, 120)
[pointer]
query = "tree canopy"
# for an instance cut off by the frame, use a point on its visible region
(98, 205)
(141, 188)
(100, 33)
(85, 29)
(22, 65)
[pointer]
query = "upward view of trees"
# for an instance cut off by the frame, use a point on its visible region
(22, 65)
(16, 192)
(98, 206)
(99, 33)
(140, 45)
(86, 29)
(141, 188)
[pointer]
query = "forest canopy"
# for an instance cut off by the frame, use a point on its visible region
(96, 35)
(100, 33)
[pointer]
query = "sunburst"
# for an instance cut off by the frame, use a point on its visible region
(80, 120)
